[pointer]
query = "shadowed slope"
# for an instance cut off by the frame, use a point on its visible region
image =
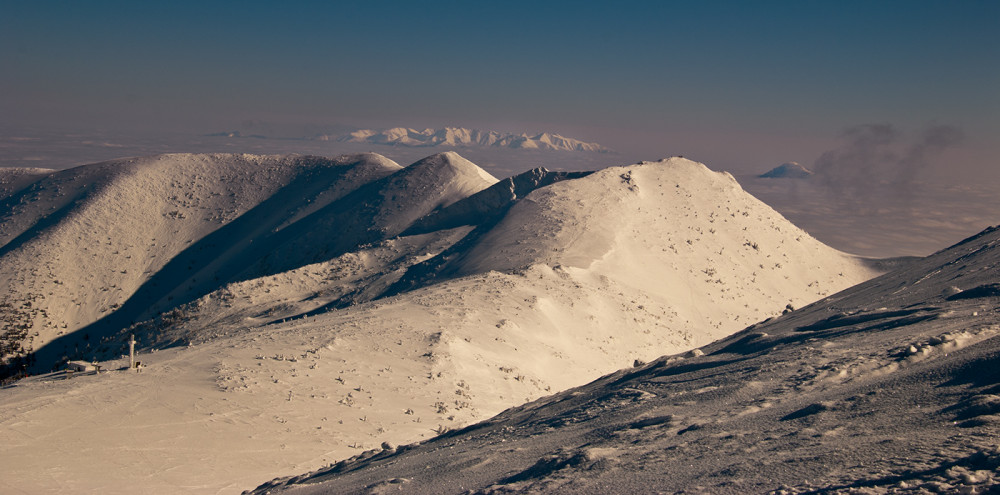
(378, 211)
(140, 230)
(13, 179)
(585, 276)
(489, 204)
(221, 255)
(482, 210)
(599, 272)
(275, 236)
(880, 404)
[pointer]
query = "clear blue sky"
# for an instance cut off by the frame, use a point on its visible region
(720, 81)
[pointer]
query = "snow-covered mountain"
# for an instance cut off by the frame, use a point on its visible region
(789, 170)
(455, 137)
(99, 247)
(888, 387)
(333, 304)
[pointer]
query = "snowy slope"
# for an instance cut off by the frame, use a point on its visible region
(489, 204)
(16, 178)
(420, 299)
(890, 386)
(575, 256)
(78, 244)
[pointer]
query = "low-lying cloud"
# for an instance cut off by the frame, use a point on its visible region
(878, 158)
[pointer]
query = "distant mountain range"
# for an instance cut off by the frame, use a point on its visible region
(448, 136)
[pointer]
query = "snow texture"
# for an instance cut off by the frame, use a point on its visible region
(292, 311)
(888, 387)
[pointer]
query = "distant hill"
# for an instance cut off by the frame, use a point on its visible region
(790, 170)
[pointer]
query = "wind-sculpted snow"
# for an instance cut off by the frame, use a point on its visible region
(291, 311)
(888, 387)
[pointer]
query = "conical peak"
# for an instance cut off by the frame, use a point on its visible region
(449, 163)
(789, 170)
(369, 161)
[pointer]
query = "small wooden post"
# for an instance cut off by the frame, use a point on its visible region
(131, 351)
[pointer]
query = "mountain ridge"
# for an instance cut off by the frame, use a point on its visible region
(298, 211)
(335, 327)
(446, 137)
(888, 386)
(142, 203)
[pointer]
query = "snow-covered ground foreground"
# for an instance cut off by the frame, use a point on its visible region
(308, 309)
(892, 386)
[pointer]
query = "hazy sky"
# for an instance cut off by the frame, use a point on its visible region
(728, 83)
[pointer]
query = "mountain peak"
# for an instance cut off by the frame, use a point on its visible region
(789, 170)
(454, 163)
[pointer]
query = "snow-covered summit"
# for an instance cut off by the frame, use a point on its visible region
(428, 185)
(789, 170)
